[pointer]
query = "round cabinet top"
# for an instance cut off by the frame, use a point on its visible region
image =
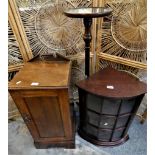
(113, 83)
(93, 12)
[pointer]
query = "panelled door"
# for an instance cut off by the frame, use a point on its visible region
(46, 113)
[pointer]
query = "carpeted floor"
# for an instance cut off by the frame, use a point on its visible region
(136, 145)
(21, 143)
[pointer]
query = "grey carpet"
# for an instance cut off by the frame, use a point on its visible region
(21, 143)
(136, 145)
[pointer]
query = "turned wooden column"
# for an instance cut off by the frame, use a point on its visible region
(87, 14)
(87, 39)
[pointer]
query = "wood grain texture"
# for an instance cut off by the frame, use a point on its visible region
(45, 109)
(40, 110)
(16, 32)
(18, 29)
(93, 45)
(124, 84)
(16, 67)
(44, 73)
(124, 61)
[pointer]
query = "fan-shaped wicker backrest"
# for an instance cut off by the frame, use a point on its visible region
(124, 35)
(129, 29)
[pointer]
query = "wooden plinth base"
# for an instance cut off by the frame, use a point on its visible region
(45, 145)
(102, 143)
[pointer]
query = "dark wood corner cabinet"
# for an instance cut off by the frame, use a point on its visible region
(108, 101)
(40, 91)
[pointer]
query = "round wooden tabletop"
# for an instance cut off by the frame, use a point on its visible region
(92, 12)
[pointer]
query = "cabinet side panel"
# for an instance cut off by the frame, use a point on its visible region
(45, 112)
(65, 111)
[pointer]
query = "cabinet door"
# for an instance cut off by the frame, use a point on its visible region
(46, 113)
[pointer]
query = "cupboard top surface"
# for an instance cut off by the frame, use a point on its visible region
(36, 75)
(113, 83)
